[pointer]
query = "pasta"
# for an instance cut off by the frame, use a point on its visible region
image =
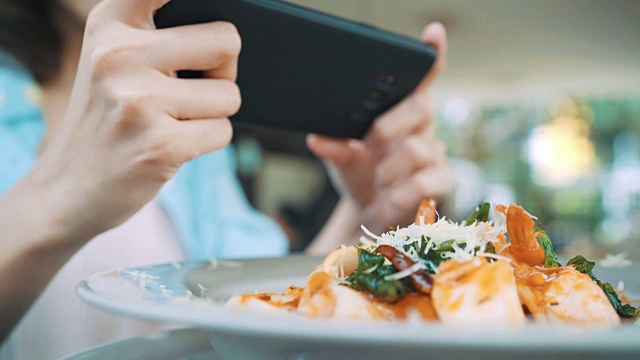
(478, 272)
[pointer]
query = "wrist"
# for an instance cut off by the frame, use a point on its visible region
(35, 242)
(38, 219)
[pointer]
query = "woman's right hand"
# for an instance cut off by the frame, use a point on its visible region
(131, 123)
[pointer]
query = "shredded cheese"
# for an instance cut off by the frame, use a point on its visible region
(476, 237)
(371, 269)
(406, 272)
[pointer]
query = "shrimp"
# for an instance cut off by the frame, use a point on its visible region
(325, 298)
(269, 302)
(478, 293)
(414, 308)
(524, 243)
(426, 213)
(563, 295)
(340, 262)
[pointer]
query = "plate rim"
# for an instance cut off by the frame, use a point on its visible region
(220, 319)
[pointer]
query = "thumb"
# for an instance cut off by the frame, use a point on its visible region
(435, 35)
(338, 152)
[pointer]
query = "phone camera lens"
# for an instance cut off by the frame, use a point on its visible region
(385, 79)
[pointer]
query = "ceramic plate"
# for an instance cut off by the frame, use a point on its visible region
(194, 293)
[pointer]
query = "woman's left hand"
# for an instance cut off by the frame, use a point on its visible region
(399, 162)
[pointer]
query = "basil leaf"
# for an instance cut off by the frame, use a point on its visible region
(386, 270)
(389, 291)
(423, 248)
(550, 257)
(583, 265)
(434, 257)
(624, 310)
(481, 214)
(367, 260)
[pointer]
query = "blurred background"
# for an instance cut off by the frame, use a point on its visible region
(540, 105)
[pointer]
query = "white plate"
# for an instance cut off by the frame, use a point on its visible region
(160, 292)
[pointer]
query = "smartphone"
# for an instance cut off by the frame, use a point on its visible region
(308, 71)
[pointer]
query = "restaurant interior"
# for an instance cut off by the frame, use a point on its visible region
(539, 105)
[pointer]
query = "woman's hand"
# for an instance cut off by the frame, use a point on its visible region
(131, 123)
(400, 161)
(129, 126)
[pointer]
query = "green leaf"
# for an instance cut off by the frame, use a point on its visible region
(583, 265)
(386, 270)
(389, 291)
(434, 257)
(586, 267)
(624, 310)
(367, 260)
(481, 214)
(550, 257)
(423, 248)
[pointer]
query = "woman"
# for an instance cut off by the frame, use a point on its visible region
(116, 125)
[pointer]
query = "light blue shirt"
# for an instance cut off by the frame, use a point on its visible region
(204, 199)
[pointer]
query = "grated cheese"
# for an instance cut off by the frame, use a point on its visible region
(371, 269)
(406, 272)
(366, 242)
(476, 237)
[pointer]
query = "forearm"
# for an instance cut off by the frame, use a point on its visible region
(35, 242)
(342, 228)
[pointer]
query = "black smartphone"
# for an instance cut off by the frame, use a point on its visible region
(304, 70)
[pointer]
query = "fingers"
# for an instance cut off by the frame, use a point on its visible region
(412, 113)
(132, 50)
(412, 154)
(201, 98)
(435, 35)
(137, 13)
(432, 181)
(212, 47)
(415, 110)
(193, 138)
(340, 152)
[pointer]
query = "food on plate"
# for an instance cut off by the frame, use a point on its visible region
(479, 272)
